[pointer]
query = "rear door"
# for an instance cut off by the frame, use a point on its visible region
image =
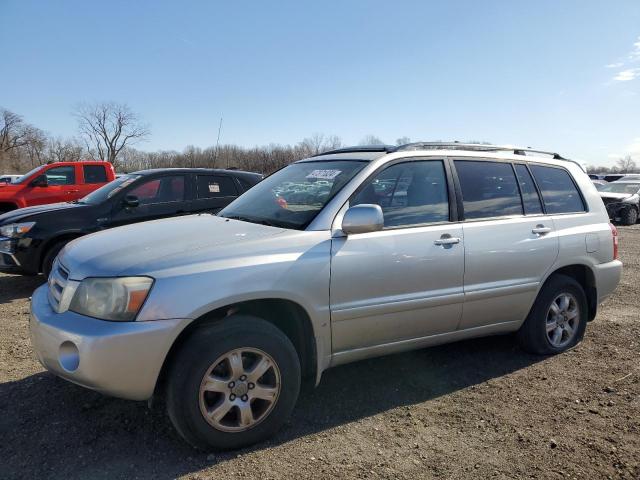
(93, 177)
(213, 192)
(158, 197)
(509, 241)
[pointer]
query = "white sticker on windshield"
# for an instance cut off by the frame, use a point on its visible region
(324, 174)
(214, 188)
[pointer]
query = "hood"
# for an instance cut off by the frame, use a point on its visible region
(24, 213)
(149, 248)
(615, 196)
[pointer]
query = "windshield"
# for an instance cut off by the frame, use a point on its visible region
(28, 174)
(293, 196)
(109, 190)
(616, 187)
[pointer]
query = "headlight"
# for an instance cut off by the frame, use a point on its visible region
(118, 299)
(15, 230)
(632, 199)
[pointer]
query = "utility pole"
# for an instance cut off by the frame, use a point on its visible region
(218, 142)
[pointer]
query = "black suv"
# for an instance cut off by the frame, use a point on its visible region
(30, 238)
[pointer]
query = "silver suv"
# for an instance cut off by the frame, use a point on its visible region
(351, 254)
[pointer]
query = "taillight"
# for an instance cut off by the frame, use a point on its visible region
(614, 235)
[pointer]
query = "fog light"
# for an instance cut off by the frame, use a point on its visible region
(69, 357)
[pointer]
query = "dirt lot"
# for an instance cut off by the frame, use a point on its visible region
(480, 409)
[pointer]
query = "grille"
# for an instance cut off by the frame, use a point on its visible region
(609, 201)
(58, 280)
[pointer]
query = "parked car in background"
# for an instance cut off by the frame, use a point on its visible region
(631, 176)
(351, 254)
(599, 183)
(622, 199)
(30, 238)
(595, 176)
(55, 182)
(613, 177)
(8, 178)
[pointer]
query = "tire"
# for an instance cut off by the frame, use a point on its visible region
(537, 334)
(50, 256)
(629, 216)
(203, 350)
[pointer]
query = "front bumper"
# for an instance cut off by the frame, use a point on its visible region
(122, 359)
(615, 209)
(8, 260)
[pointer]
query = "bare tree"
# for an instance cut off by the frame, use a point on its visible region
(318, 143)
(403, 141)
(108, 128)
(626, 164)
(371, 140)
(13, 131)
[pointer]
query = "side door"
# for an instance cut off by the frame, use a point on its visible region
(93, 177)
(61, 186)
(510, 242)
(213, 192)
(158, 197)
(405, 281)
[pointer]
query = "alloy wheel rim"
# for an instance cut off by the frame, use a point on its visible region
(563, 318)
(239, 389)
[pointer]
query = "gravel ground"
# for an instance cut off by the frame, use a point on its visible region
(475, 409)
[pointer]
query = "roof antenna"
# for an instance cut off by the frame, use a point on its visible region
(215, 156)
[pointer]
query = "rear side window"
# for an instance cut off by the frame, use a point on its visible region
(559, 193)
(530, 197)
(94, 174)
(216, 186)
(489, 189)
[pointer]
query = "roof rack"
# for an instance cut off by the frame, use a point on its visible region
(477, 147)
(363, 148)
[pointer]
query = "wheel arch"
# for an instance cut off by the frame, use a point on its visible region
(584, 275)
(62, 237)
(288, 316)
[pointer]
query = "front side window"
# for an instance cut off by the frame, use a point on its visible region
(293, 196)
(410, 193)
(489, 189)
(61, 176)
(559, 193)
(160, 190)
(216, 186)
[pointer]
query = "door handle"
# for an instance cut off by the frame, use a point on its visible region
(446, 239)
(541, 230)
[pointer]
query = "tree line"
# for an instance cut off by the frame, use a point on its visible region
(109, 131)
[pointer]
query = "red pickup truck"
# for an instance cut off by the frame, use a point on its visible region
(55, 182)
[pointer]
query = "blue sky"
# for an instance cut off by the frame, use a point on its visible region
(561, 75)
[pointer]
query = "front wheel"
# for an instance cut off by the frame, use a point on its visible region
(629, 216)
(558, 318)
(233, 383)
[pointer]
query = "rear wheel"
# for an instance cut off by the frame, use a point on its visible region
(233, 383)
(558, 318)
(629, 216)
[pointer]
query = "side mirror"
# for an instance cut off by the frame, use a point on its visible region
(363, 219)
(131, 201)
(40, 181)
